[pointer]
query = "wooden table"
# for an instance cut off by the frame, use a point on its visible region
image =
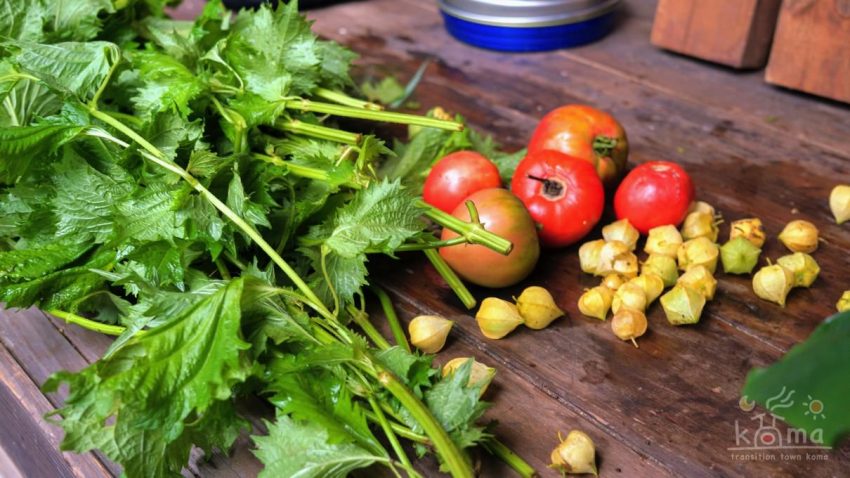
(669, 408)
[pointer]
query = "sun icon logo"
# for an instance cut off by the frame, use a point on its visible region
(814, 408)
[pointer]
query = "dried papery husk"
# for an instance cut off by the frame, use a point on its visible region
(575, 455)
(803, 266)
(664, 267)
(682, 305)
(699, 224)
(843, 303)
(622, 231)
(613, 281)
(629, 296)
(428, 333)
(739, 256)
(703, 207)
(699, 252)
(480, 375)
(701, 280)
(772, 283)
(651, 284)
(497, 318)
(596, 302)
(588, 255)
(663, 241)
(629, 324)
(537, 307)
(750, 229)
(800, 236)
(627, 265)
(839, 203)
(610, 253)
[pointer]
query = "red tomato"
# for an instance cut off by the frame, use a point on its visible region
(654, 194)
(586, 133)
(456, 176)
(562, 193)
(501, 213)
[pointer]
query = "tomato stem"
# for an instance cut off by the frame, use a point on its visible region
(473, 212)
(552, 188)
(451, 278)
(604, 145)
(474, 233)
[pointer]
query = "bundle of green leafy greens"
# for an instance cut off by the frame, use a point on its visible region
(184, 186)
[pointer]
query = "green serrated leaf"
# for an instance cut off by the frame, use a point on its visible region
(166, 84)
(21, 147)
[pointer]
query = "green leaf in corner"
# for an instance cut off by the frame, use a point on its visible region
(305, 449)
(814, 372)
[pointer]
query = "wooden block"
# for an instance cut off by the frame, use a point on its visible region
(811, 50)
(736, 33)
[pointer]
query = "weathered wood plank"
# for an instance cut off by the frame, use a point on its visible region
(28, 440)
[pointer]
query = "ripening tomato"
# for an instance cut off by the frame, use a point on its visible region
(562, 193)
(501, 213)
(656, 193)
(586, 133)
(456, 176)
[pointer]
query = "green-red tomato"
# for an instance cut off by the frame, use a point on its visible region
(562, 193)
(456, 176)
(501, 213)
(586, 133)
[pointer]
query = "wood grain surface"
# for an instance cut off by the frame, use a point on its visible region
(668, 408)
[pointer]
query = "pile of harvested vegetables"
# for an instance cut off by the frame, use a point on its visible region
(208, 192)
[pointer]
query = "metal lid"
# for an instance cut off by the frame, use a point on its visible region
(526, 13)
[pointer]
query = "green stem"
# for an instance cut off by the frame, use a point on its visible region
(453, 457)
(392, 318)
(362, 320)
(604, 145)
(451, 278)
(319, 132)
(88, 323)
(400, 430)
(343, 99)
(382, 116)
(103, 83)
(157, 157)
(430, 244)
(474, 232)
(502, 452)
(222, 269)
(391, 436)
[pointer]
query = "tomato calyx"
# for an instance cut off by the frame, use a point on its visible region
(604, 145)
(553, 188)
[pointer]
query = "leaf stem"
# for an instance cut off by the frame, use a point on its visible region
(383, 116)
(453, 457)
(319, 132)
(362, 320)
(502, 452)
(392, 318)
(421, 246)
(88, 323)
(391, 436)
(474, 232)
(343, 99)
(222, 269)
(400, 429)
(451, 278)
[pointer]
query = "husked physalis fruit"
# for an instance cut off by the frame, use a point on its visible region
(682, 305)
(700, 224)
(651, 284)
(588, 255)
(537, 307)
(800, 236)
(750, 229)
(739, 256)
(611, 251)
(663, 241)
(839, 202)
(701, 280)
(844, 302)
(622, 231)
(429, 332)
(629, 324)
(596, 302)
(663, 266)
(480, 375)
(613, 281)
(699, 252)
(575, 455)
(703, 207)
(803, 266)
(773, 283)
(629, 296)
(497, 318)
